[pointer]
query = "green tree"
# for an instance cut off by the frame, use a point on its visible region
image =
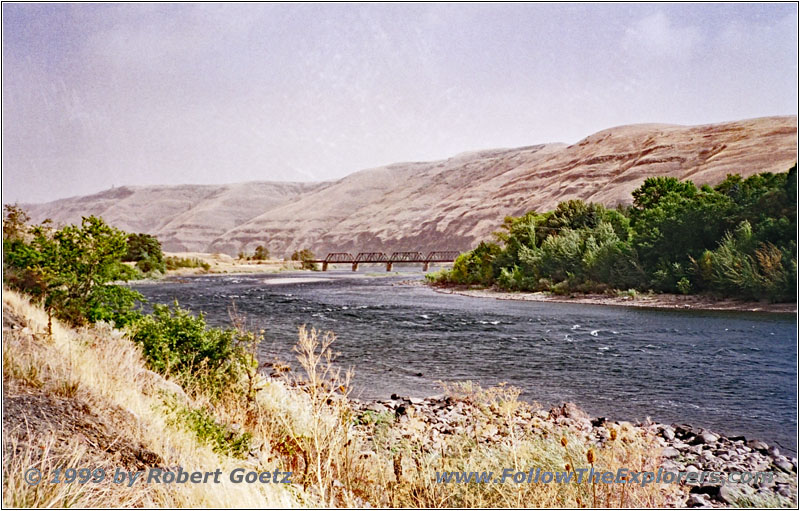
(261, 253)
(71, 270)
(475, 266)
(145, 251)
(305, 256)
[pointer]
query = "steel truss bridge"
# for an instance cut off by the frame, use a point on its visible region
(447, 256)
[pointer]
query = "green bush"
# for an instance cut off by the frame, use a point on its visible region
(305, 256)
(177, 343)
(70, 269)
(174, 262)
(475, 266)
(145, 251)
(219, 436)
(261, 253)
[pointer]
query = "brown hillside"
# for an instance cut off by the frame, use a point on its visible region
(447, 204)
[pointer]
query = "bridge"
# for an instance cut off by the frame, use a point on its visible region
(447, 256)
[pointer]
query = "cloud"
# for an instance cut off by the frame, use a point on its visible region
(656, 36)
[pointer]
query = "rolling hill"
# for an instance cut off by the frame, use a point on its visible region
(448, 204)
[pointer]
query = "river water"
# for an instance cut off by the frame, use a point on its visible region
(731, 372)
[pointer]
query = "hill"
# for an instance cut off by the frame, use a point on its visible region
(448, 204)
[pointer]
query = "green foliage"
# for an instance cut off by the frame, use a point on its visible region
(15, 222)
(71, 269)
(737, 239)
(738, 268)
(261, 253)
(222, 438)
(174, 262)
(177, 343)
(145, 251)
(306, 256)
(475, 266)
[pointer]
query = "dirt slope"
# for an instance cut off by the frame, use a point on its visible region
(447, 204)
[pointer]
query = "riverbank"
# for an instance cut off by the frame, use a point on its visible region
(657, 301)
(225, 264)
(681, 448)
(86, 397)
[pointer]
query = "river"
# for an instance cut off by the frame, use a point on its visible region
(731, 372)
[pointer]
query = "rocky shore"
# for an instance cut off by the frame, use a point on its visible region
(655, 300)
(679, 447)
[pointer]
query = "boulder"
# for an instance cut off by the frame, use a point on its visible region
(569, 410)
(784, 464)
(708, 438)
(757, 445)
(670, 452)
(698, 500)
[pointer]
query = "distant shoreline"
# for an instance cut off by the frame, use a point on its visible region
(658, 301)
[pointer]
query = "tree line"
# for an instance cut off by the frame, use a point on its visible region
(737, 239)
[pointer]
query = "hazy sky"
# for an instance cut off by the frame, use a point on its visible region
(96, 95)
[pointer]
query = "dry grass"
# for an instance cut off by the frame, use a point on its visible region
(107, 370)
(302, 423)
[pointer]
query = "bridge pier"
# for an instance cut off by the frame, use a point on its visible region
(389, 266)
(355, 266)
(425, 266)
(325, 266)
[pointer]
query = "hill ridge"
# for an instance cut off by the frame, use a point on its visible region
(436, 205)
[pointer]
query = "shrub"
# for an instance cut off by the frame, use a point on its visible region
(174, 262)
(475, 266)
(306, 257)
(220, 436)
(145, 251)
(261, 253)
(177, 343)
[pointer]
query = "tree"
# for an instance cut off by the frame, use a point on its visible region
(261, 253)
(70, 270)
(145, 250)
(306, 256)
(15, 222)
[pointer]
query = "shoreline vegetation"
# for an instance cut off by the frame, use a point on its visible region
(95, 395)
(737, 240)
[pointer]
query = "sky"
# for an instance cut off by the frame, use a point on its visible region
(102, 95)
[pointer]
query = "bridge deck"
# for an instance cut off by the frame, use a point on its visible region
(448, 256)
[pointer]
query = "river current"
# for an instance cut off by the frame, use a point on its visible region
(731, 372)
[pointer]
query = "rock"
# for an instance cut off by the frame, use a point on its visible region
(569, 410)
(668, 433)
(757, 445)
(784, 464)
(670, 452)
(682, 431)
(709, 438)
(696, 449)
(394, 397)
(599, 421)
(401, 410)
(698, 500)
(730, 493)
(376, 407)
(773, 452)
(416, 401)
